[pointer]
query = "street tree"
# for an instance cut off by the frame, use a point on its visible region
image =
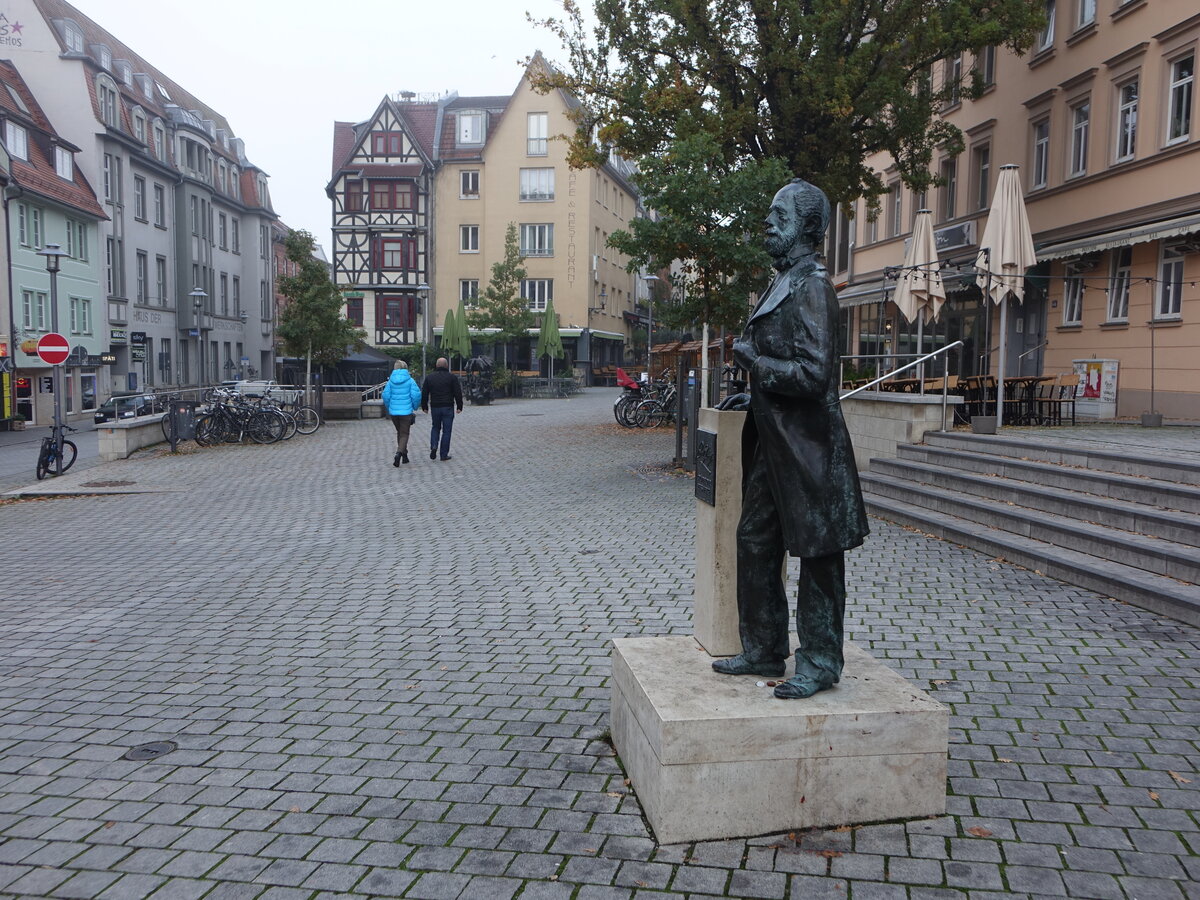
(819, 84)
(311, 324)
(501, 305)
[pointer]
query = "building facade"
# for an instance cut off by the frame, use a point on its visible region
(1101, 118)
(423, 193)
(183, 246)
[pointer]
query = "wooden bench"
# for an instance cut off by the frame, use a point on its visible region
(342, 404)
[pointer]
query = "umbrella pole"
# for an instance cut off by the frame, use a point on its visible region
(921, 348)
(1000, 362)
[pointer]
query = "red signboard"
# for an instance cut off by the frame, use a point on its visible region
(52, 349)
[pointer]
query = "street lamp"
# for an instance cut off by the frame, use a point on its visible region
(54, 254)
(649, 323)
(198, 296)
(423, 293)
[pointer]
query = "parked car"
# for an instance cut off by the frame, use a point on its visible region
(127, 406)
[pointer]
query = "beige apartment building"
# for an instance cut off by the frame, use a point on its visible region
(423, 195)
(1101, 118)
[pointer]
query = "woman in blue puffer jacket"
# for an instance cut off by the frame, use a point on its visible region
(402, 397)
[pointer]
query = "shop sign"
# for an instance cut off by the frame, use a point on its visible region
(108, 359)
(117, 336)
(954, 236)
(137, 337)
(137, 353)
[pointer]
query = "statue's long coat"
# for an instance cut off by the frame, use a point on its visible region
(795, 417)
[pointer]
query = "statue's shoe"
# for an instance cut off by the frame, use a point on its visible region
(798, 687)
(740, 665)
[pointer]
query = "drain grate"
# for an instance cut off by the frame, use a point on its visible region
(107, 483)
(152, 750)
(530, 414)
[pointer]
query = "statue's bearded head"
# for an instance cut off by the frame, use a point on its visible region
(799, 213)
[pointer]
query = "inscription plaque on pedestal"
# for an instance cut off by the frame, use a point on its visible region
(706, 466)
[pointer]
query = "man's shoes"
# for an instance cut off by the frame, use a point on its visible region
(396, 460)
(799, 686)
(433, 453)
(444, 458)
(740, 665)
(404, 457)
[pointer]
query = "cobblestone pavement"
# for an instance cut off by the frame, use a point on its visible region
(393, 682)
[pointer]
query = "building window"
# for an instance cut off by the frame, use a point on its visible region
(470, 128)
(468, 184)
(222, 231)
(538, 132)
(468, 238)
(224, 294)
(235, 236)
(981, 159)
(73, 38)
(29, 227)
(1081, 116)
(1127, 113)
(81, 315)
(139, 127)
(160, 279)
(387, 143)
(537, 292)
(537, 240)
(895, 215)
(1085, 13)
(1073, 300)
(985, 65)
(143, 275)
(396, 312)
(16, 140)
(237, 295)
(954, 70)
(64, 164)
(106, 94)
(354, 196)
(949, 188)
(1041, 154)
(139, 198)
(392, 195)
(537, 184)
(397, 253)
(34, 309)
(1045, 39)
(354, 311)
(1179, 114)
(468, 291)
(160, 206)
(112, 178)
(264, 241)
(1170, 283)
(77, 240)
(160, 142)
(1118, 286)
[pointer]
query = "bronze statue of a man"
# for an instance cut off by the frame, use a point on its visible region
(800, 484)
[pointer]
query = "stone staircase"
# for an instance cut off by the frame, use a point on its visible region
(1119, 522)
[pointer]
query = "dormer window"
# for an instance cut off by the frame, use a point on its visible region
(163, 92)
(106, 94)
(139, 125)
(104, 56)
(126, 72)
(147, 87)
(160, 141)
(470, 127)
(16, 140)
(16, 99)
(72, 37)
(64, 163)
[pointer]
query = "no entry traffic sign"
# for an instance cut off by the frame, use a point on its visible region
(52, 349)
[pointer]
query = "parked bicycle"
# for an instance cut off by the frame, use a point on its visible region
(57, 453)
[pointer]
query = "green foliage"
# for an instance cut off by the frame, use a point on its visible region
(707, 208)
(312, 323)
(501, 305)
(411, 354)
(818, 84)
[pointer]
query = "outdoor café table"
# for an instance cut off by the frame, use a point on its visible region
(1020, 396)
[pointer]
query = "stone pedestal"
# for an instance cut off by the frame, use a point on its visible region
(715, 617)
(715, 756)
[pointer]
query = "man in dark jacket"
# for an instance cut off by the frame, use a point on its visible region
(440, 394)
(800, 489)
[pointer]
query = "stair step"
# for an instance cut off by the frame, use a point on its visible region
(1159, 594)
(1140, 518)
(1135, 550)
(1178, 471)
(1150, 491)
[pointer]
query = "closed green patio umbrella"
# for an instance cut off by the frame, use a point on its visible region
(549, 340)
(449, 329)
(462, 334)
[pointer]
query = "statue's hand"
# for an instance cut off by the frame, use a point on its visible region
(744, 354)
(735, 402)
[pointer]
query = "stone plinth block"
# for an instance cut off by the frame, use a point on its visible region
(714, 756)
(715, 615)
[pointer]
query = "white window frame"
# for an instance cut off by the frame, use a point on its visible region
(537, 132)
(949, 190)
(64, 163)
(1081, 121)
(981, 171)
(1118, 284)
(469, 128)
(16, 140)
(139, 197)
(1039, 172)
(896, 199)
(468, 184)
(1127, 116)
(537, 185)
(537, 239)
(1180, 99)
(1073, 299)
(109, 103)
(35, 228)
(1085, 13)
(160, 279)
(537, 292)
(72, 37)
(468, 238)
(160, 205)
(468, 292)
(1168, 296)
(1045, 38)
(142, 265)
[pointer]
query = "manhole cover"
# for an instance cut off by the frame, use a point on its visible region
(107, 483)
(153, 750)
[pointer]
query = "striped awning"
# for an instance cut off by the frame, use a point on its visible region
(1111, 239)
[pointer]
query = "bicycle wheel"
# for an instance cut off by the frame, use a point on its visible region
(43, 462)
(642, 412)
(289, 422)
(69, 452)
(265, 427)
(308, 419)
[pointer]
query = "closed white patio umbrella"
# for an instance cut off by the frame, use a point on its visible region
(919, 289)
(1005, 253)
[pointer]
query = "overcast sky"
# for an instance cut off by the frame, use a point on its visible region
(281, 71)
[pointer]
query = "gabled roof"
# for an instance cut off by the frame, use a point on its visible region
(38, 174)
(419, 120)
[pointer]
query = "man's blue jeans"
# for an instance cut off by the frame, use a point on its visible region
(443, 423)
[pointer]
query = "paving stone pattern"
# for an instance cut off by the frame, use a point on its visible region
(394, 682)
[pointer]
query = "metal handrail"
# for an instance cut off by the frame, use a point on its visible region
(373, 393)
(916, 362)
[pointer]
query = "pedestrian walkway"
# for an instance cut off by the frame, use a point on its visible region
(392, 682)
